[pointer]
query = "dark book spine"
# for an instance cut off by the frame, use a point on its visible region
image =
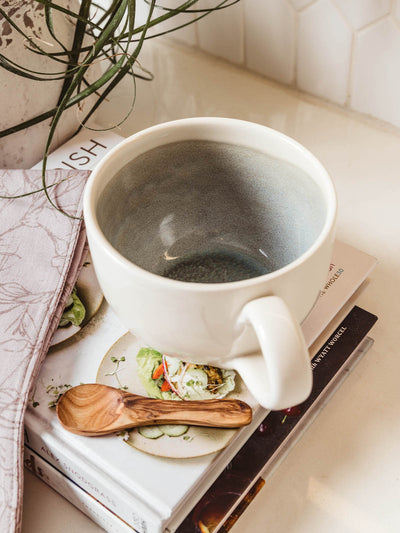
(278, 430)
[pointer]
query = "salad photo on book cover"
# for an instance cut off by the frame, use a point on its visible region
(146, 372)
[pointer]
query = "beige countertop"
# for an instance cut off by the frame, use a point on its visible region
(344, 473)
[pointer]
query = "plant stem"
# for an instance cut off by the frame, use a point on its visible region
(111, 36)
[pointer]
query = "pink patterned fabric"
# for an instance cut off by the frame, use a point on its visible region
(40, 256)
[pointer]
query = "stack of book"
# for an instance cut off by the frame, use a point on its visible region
(195, 482)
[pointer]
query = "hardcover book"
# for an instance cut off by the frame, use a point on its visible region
(150, 485)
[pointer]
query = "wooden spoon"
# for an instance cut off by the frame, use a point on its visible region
(93, 409)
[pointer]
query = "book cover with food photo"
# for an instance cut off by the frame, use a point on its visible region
(150, 478)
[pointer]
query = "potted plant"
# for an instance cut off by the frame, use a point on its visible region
(57, 58)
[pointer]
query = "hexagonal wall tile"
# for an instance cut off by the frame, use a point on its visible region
(324, 49)
(300, 4)
(396, 10)
(270, 38)
(376, 72)
(359, 13)
(221, 32)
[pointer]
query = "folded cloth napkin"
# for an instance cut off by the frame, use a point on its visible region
(41, 253)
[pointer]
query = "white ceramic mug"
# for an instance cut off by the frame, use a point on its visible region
(143, 213)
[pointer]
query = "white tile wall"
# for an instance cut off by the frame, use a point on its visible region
(344, 51)
(359, 13)
(221, 33)
(376, 71)
(270, 38)
(187, 33)
(324, 39)
(300, 4)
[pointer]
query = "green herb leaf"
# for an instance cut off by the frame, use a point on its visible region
(74, 313)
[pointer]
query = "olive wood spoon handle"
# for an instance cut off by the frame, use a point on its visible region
(94, 409)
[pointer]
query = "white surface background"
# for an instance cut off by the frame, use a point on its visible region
(328, 48)
(344, 474)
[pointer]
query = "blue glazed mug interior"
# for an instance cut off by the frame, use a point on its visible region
(210, 212)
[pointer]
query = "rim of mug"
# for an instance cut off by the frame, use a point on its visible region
(91, 221)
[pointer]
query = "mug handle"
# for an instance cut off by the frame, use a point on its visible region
(280, 376)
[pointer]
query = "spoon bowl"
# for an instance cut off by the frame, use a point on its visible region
(93, 409)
